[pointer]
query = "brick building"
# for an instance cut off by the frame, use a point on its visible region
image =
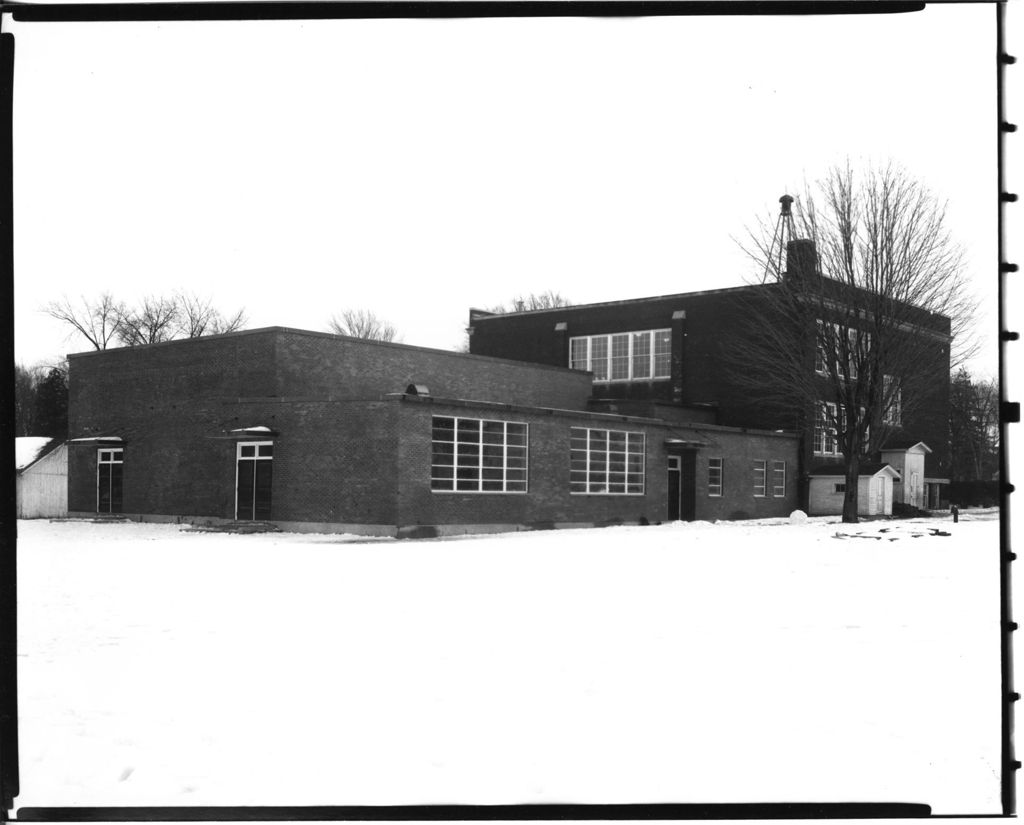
(315, 431)
(682, 357)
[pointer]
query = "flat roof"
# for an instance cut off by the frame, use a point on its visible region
(314, 334)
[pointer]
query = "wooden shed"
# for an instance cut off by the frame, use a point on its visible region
(42, 479)
(874, 489)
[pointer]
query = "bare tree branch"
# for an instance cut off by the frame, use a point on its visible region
(150, 322)
(362, 323)
(534, 300)
(857, 331)
(96, 321)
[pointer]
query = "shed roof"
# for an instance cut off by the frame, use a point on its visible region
(867, 468)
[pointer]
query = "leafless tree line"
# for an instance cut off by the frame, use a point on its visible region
(107, 322)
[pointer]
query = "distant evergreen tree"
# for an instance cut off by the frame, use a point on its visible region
(51, 408)
(25, 381)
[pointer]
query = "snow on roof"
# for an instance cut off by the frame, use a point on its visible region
(100, 438)
(259, 429)
(27, 449)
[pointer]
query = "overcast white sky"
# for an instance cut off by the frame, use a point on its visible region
(421, 167)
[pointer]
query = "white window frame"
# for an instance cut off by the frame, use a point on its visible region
(760, 478)
(892, 413)
(510, 453)
(715, 488)
(115, 456)
(632, 480)
(581, 356)
(826, 430)
(778, 489)
(254, 457)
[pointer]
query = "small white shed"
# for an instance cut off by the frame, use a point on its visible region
(908, 459)
(874, 489)
(42, 478)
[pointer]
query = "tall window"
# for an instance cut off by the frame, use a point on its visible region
(715, 471)
(892, 398)
(760, 480)
(606, 461)
(779, 479)
(624, 356)
(109, 480)
(473, 455)
(826, 441)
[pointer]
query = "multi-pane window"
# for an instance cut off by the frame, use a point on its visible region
(778, 479)
(826, 441)
(606, 461)
(109, 480)
(848, 353)
(624, 356)
(760, 478)
(840, 487)
(715, 472)
(892, 399)
(473, 455)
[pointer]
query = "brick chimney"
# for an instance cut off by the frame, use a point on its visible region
(801, 259)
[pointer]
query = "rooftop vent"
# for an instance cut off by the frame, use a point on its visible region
(417, 389)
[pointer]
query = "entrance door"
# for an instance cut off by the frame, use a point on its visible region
(254, 480)
(109, 480)
(682, 486)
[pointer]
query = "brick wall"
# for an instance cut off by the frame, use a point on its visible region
(549, 500)
(321, 365)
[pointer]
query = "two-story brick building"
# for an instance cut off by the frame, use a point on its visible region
(689, 356)
(315, 431)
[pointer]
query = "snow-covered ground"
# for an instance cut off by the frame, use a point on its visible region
(734, 662)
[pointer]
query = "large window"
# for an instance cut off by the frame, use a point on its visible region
(606, 461)
(473, 455)
(624, 356)
(848, 353)
(715, 472)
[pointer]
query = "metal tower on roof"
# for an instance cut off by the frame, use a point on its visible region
(784, 233)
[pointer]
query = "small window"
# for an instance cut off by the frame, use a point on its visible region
(778, 479)
(840, 487)
(760, 480)
(715, 477)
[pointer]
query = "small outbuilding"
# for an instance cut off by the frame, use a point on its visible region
(874, 489)
(42, 478)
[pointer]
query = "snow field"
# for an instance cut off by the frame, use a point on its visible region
(744, 661)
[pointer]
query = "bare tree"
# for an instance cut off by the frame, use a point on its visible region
(362, 323)
(534, 300)
(856, 332)
(152, 321)
(96, 320)
(197, 317)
